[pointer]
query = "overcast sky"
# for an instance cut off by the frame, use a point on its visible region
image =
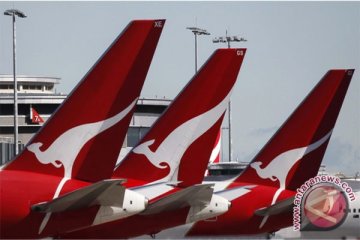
(291, 45)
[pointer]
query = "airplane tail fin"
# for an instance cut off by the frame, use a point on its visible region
(294, 153)
(179, 144)
(78, 140)
(216, 152)
(35, 116)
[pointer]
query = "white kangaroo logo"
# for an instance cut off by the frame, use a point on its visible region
(64, 150)
(279, 167)
(173, 147)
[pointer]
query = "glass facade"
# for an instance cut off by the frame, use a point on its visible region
(134, 135)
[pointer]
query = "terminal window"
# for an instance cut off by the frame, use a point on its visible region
(135, 134)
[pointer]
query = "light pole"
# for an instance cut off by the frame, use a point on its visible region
(197, 31)
(15, 13)
(227, 39)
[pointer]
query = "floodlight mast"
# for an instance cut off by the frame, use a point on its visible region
(197, 31)
(228, 39)
(15, 13)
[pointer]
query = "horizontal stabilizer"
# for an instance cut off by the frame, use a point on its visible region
(200, 194)
(233, 193)
(277, 208)
(104, 193)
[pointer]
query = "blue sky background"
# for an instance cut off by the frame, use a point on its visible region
(290, 47)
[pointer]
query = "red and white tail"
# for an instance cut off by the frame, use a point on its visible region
(35, 116)
(216, 152)
(178, 146)
(78, 140)
(294, 153)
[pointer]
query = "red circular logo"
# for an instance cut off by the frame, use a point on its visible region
(325, 206)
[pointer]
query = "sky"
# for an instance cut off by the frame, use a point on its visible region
(291, 45)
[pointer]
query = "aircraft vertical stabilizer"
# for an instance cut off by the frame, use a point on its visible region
(187, 130)
(83, 138)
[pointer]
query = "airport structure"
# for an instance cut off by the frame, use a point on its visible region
(40, 93)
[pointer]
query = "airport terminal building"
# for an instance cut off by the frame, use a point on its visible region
(39, 93)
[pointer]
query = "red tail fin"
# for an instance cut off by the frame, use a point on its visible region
(215, 154)
(294, 153)
(78, 140)
(35, 116)
(179, 144)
